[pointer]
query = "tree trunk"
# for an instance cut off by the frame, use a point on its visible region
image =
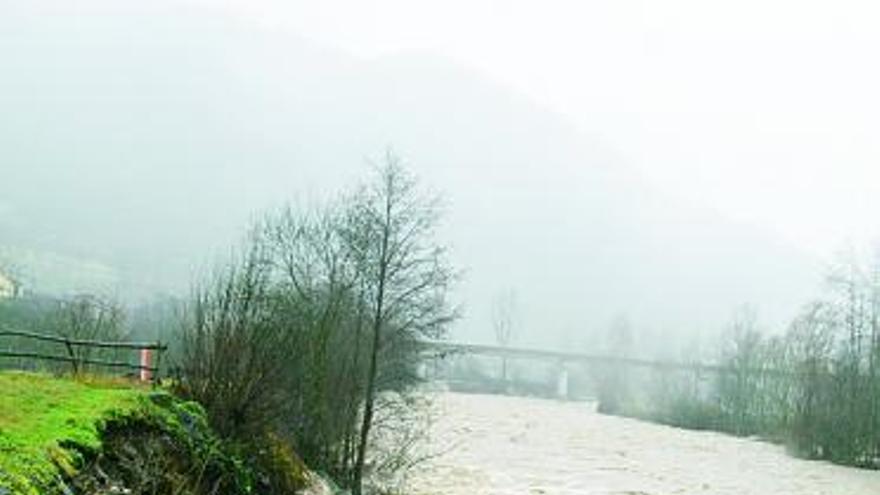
(378, 317)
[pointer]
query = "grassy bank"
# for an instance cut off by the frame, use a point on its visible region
(46, 423)
(96, 435)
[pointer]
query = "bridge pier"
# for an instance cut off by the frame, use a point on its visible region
(562, 382)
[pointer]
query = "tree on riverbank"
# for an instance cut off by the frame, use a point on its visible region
(321, 316)
(403, 277)
(815, 386)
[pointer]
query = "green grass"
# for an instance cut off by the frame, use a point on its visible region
(40, 415)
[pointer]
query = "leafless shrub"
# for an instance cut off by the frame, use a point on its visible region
(235, 350)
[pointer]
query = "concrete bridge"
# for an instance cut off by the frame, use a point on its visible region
(440, 349)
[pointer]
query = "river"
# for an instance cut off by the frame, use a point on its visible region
(499, 445)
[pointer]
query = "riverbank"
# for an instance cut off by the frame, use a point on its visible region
(98, 435)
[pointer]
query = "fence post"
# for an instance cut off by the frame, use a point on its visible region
(72, 356)
(145, 371)
(159, 350)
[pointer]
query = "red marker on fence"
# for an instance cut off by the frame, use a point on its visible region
(146, 361)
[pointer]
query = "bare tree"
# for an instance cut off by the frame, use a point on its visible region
(742, 354)
(620, 336)
(314, 276)
(88, 317)
(614, 393)
(504, 317)
(325, 312)
(403, 275)
(853, 283)
(810, 340)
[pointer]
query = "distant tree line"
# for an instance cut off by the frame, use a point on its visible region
(815, 387)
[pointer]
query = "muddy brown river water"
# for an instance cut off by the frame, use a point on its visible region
(516, 446)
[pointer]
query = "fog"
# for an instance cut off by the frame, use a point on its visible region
(653, 263)
(599, 161)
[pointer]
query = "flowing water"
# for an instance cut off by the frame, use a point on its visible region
(516, 446)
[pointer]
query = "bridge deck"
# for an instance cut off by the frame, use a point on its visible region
(442, 347)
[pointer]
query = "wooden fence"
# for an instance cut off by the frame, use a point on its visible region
(77, 361)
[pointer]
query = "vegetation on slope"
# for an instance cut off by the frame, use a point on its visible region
(97, 436)
(41, 418)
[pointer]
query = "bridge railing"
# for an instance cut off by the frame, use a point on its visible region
(445, 347)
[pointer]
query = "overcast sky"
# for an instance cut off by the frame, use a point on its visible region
(765, 110)
(761, 113)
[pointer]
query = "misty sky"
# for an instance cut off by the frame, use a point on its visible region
(765, 110)
(669, 161)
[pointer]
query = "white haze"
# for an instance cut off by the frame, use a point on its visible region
(658, 160)
(765, 110)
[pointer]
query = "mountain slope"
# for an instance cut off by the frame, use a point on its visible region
(147, 142)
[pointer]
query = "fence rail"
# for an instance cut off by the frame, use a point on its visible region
(76, 361)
